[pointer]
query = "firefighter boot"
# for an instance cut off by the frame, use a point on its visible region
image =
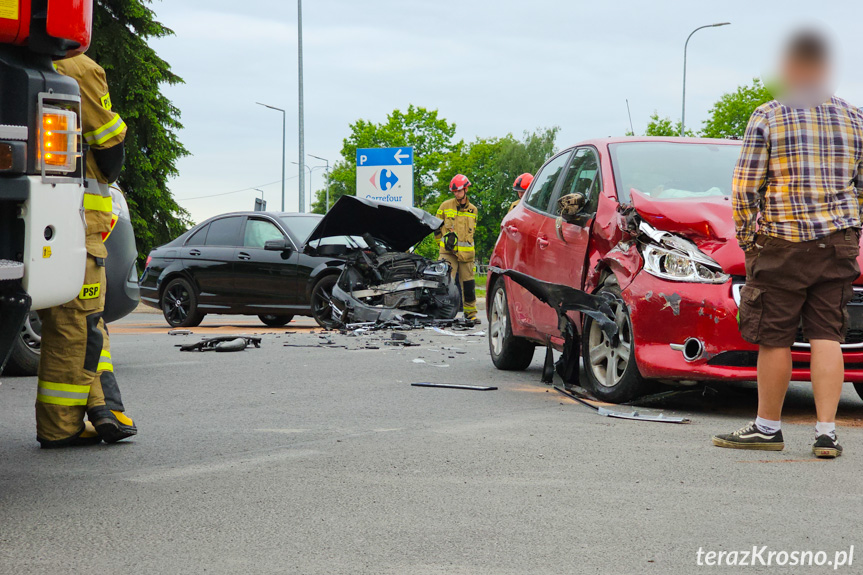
(113, 426)
(87, 436)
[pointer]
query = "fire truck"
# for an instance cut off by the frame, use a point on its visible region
(42, 229)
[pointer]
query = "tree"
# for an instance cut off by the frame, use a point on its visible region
(663, 127)
(492, 165)
(135, 76)
(429, 135)
(729, 116)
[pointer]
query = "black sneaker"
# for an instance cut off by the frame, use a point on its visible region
(750, 437)
(826, 447)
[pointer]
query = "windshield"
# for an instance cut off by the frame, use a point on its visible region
(669, 171)
(302, 227)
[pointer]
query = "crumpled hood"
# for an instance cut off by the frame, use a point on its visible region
(709, 222)
(400, 228)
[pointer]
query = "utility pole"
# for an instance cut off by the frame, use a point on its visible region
(283, 151)
(302, 152)
(685, 46)
(328, 177)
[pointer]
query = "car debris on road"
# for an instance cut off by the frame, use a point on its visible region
(223, 343)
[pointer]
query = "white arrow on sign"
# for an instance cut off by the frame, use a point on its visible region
(400, 156)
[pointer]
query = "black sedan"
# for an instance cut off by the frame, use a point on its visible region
(249, 263)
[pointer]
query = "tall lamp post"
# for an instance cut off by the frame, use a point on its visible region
(311, 169)
(302, 157)
(328, 176)
(685, 46)
(283, 151)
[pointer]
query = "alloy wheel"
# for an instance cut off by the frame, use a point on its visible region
(609, 362)
(497, 324)
(31, 331)
(176, 303)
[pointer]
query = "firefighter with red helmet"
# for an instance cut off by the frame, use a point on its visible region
(520, 186)
(456, 240)
(76, 373)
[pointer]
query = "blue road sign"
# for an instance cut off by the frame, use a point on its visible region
(386, 175)
(385, 156)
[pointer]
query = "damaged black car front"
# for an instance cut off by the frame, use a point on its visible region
(381, 281)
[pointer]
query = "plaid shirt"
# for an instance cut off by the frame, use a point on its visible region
(802, 170)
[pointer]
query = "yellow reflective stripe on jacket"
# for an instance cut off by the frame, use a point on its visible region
(62, 393)
(105, 363)
(465, 214)
(449, 213)
(460, 247)
(105, 132)
(98, 203)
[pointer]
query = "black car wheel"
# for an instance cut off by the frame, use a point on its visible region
(321, 295)
(507, 351)
(180, 304)
(275, 320)
(611, 369)
(858, 387)
(24, 357)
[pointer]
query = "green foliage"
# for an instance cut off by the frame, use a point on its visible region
(135, 75)
(429, 135)
(729, 116)
(663, 127)
(492, 165)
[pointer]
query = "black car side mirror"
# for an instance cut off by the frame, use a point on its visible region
(277, 245)
(569, 207)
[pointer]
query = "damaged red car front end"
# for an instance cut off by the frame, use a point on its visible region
(658, 233)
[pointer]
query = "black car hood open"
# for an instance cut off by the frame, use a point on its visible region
(400, 228)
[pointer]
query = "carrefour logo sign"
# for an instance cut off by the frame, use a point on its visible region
(383, 180)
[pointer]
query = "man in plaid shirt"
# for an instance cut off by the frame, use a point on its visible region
(797, 211)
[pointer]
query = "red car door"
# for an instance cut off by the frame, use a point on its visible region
(566, 244)
(529, 249)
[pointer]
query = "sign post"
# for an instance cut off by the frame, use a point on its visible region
(386, 175)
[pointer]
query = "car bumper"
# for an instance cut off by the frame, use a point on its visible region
(665, 315)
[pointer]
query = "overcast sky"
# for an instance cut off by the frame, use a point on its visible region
(490, 66)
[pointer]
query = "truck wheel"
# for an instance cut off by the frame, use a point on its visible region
(24, 357)
(611, 371)
(275, 320)
(507, 351)
(180, 304)
(321, 295)
(858, 387)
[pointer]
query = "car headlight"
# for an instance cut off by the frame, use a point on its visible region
(676, 266)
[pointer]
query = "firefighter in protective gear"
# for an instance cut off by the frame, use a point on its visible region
(76, 374)
(520, 186)
(456, 240)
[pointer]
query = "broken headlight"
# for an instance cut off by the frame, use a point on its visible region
(436, 270)
(674, 258)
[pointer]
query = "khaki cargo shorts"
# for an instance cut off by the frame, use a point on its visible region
(789, 283)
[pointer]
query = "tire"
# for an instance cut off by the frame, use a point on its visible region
(275, 320)
(24, 357)
(508, 352)
(321, 294)
(179, 304)
(623, 382)
(858, 387)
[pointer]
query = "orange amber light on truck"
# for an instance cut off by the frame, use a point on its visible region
(59, 140)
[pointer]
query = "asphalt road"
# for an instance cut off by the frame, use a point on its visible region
(325, 460)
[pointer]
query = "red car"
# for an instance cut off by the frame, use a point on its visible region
(656, 230)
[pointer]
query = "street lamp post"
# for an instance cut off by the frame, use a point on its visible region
(302, 157)
(328, 176)
(685, 46)
(283, 151)
(311, 169)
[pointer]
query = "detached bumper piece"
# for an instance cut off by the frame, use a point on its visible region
(223, 343)
(583, 400)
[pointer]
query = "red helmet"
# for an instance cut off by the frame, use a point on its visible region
(459, 183)
(522, 183)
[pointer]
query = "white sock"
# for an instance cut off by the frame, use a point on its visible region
(767, 426)
(825, 428)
